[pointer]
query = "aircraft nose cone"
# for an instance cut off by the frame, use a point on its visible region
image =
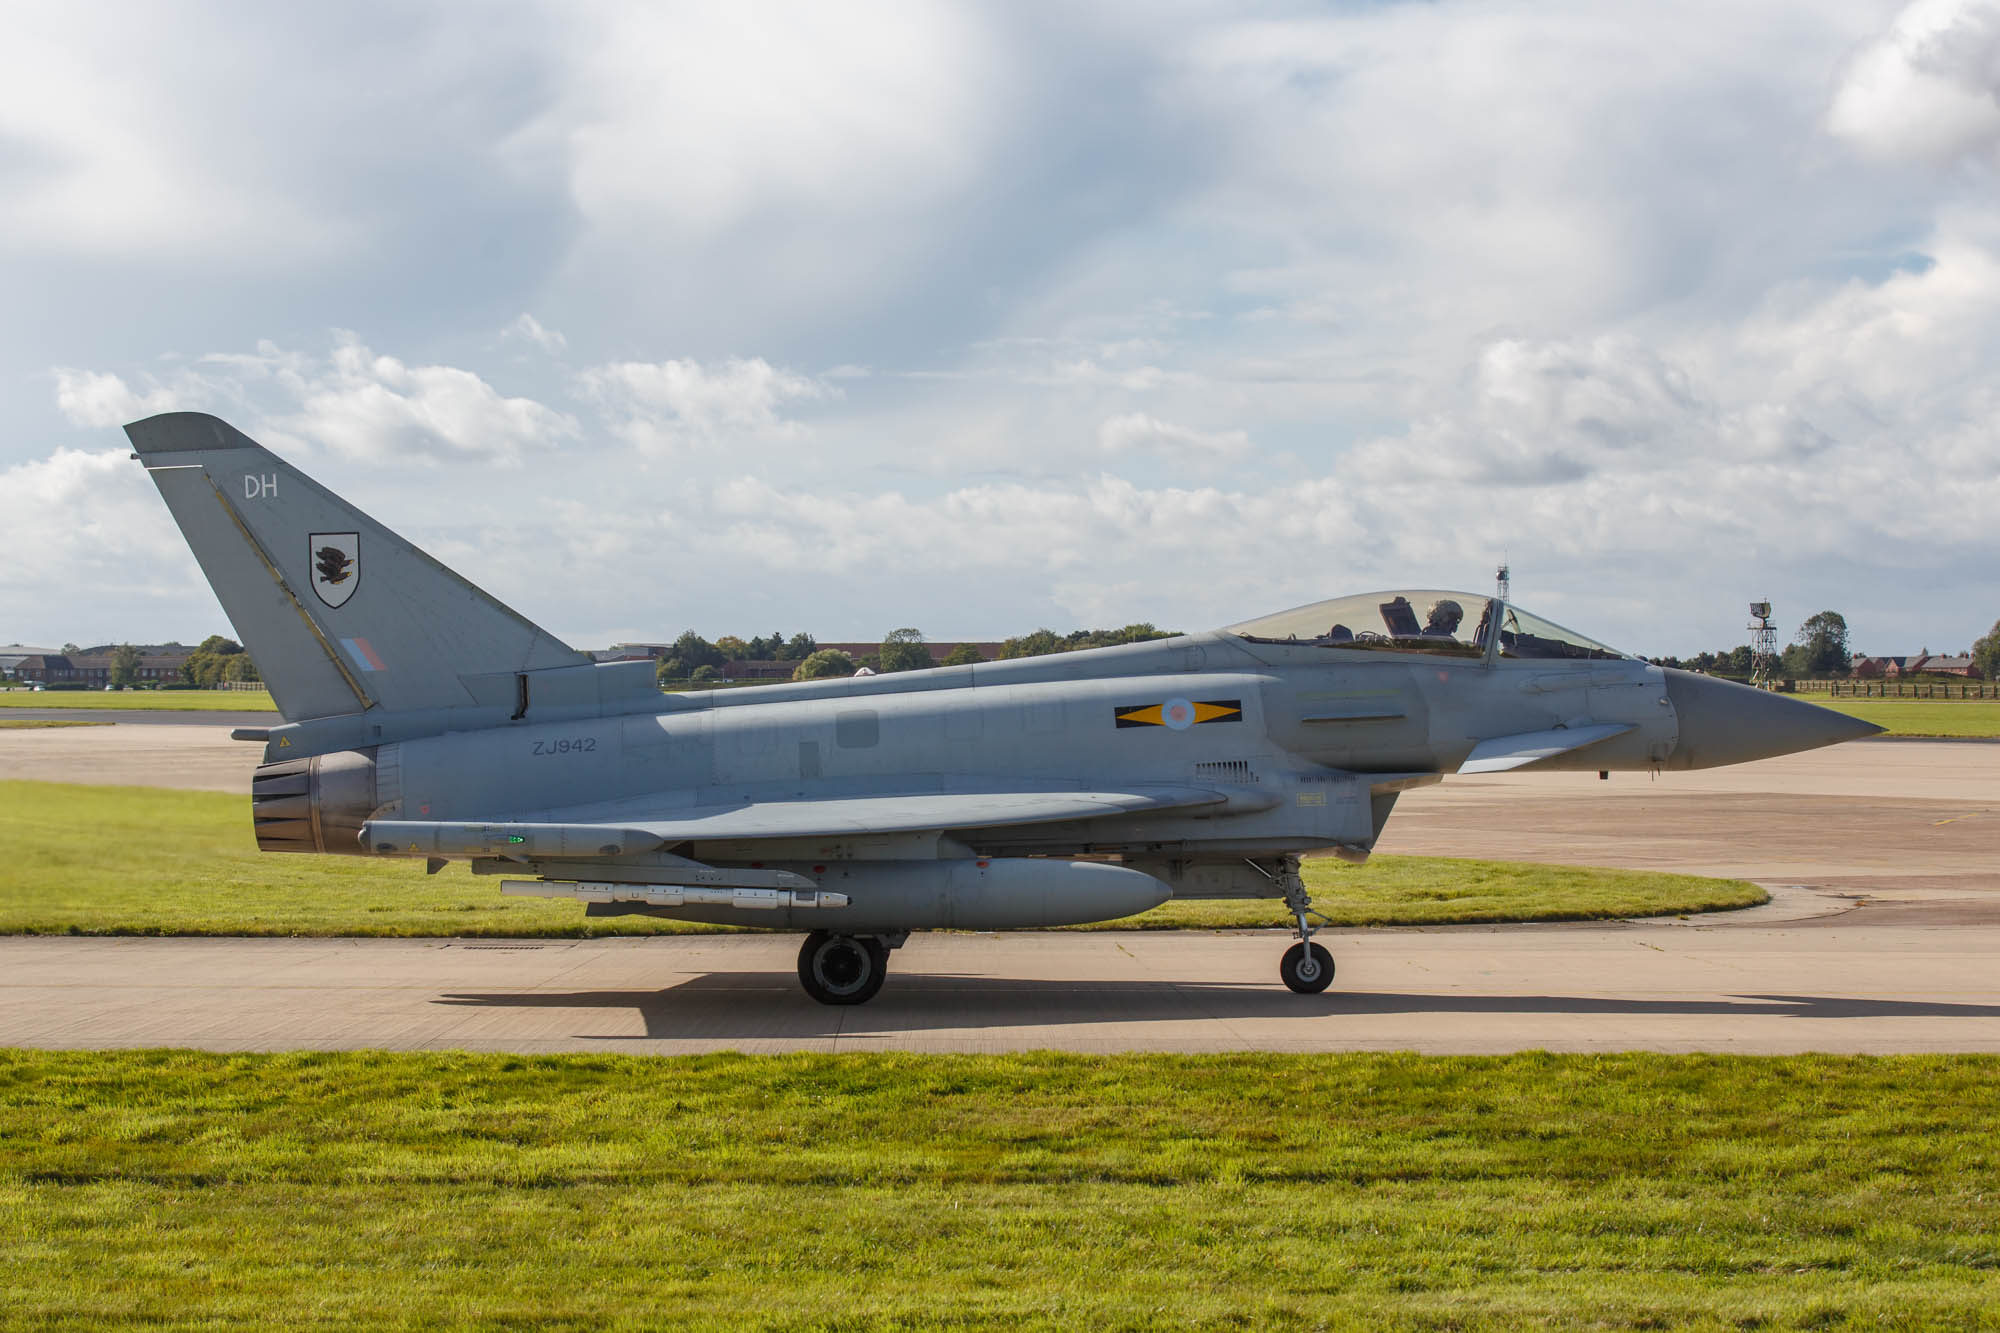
(1722, 722)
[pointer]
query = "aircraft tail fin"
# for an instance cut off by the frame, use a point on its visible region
(340, 614)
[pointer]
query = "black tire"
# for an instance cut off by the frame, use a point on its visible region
(1306, 968)
(842, 969)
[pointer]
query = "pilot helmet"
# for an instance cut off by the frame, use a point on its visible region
(1445, 616)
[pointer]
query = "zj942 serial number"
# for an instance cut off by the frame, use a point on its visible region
(581, 745)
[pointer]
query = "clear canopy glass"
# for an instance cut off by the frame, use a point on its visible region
(1451, 623)
(1525, 635)
(1454, 624)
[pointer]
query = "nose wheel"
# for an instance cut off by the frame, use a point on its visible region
(843, 969)
(1306, 968)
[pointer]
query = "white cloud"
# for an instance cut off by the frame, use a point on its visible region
(1652, 298)
(112, 161)
(527, 328)
(366, 405)
(1136, 432)
(667, 405)
(690, 119)
(1928, 88)
(355, 401)
(97, 398)
(79, 525)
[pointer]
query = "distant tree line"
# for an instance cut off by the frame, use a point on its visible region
(1819, 651)
(693, 658)
(1044, 641)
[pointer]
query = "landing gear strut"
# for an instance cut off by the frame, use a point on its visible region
(1306, 967)
(843, 969)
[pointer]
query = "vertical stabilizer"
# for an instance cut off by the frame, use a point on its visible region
(340, 614)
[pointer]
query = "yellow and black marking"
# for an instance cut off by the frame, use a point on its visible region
(1207, 710)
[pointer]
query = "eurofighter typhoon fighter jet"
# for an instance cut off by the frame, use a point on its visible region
(424, 719)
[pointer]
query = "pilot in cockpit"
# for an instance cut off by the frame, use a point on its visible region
(1444, 619)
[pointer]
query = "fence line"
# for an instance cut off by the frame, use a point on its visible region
(1902, 689)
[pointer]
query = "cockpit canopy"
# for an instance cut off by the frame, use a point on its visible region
(1452, 624)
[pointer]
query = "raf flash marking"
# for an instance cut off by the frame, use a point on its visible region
(1180, 714)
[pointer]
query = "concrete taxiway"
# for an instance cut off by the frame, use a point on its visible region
(1777, 984)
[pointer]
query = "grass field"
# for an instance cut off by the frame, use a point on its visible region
(1922, 717)
(142, 860)
(28, 724)
(204, 701)
(177, 1191)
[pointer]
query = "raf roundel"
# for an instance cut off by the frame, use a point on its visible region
(1177, 714)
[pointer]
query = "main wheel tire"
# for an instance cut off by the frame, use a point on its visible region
(842, 969)
(1306, 968)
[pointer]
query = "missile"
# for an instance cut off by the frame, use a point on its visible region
(516, 841)
(672, 895)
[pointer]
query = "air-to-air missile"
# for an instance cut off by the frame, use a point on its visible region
(424, 719)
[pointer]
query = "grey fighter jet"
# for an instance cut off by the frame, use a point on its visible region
(424, 719)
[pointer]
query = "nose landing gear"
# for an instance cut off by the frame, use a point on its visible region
(1306, 967)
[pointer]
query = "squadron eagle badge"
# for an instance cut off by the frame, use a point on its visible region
(335, 558)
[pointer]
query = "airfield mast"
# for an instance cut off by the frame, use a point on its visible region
(1504, 581)
(1763, 646)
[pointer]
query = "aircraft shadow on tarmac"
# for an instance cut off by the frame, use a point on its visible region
(754, 1005)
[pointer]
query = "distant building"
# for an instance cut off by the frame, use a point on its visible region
(43, 668)
(1958, 664)
(1913, 664)
(1877, 668)
(91, 668)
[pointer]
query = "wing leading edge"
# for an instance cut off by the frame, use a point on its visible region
(833, 817)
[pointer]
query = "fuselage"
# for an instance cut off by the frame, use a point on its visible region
(1302, 738)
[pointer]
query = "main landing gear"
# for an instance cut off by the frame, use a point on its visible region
(845, 969)
(1306, 967)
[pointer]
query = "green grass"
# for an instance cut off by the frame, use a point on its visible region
(203, 701)
(1922, 717)
(141, 860)
(178, 1190)
(1432, 890)
(27, 724)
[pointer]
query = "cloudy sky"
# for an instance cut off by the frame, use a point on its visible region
(845, 317)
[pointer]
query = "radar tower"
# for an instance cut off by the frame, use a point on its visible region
(1503, 581)
(1763, 646)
